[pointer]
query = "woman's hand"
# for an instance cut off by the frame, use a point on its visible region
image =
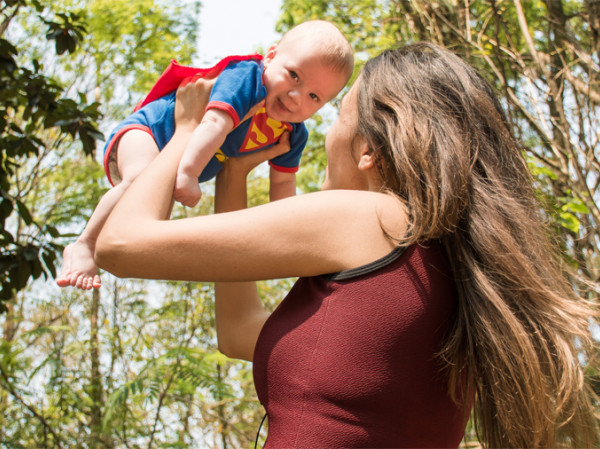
(245, 164)
(190, 102)
(230, 187)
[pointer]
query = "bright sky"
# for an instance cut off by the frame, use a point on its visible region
(229, 27)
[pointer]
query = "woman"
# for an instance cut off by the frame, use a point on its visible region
(427, 284)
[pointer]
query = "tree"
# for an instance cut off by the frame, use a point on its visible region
(53, 103)
(33, 106)
(136, 366)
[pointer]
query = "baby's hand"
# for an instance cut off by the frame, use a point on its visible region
(187, 190)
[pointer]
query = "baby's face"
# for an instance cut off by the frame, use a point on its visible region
(298, 83)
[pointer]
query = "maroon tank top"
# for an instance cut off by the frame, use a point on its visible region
(348, 360)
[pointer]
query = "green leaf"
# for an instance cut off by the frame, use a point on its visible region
(570, 222)
(6, 208)
(24, 213)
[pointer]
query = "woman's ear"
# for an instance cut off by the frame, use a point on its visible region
(365, 156)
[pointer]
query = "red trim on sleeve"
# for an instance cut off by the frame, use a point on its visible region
(115, 139)
(284, 169)
(227, 108)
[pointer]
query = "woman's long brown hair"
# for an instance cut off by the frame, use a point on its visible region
(444, 147)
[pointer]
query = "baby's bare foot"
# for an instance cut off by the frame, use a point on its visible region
(79, 269)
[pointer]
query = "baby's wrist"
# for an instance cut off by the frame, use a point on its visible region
(186, 170)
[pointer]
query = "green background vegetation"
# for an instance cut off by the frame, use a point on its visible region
(135, 365)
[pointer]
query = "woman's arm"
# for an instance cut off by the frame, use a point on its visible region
(305, 235)
(281, 185)
(239, 312)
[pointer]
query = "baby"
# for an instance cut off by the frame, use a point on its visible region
(295, 78)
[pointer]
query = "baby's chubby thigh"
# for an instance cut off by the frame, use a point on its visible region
(135, 151)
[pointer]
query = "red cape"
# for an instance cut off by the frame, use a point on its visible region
(174, 74)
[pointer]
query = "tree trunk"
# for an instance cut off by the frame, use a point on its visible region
(220, 409)
(96, 391)
(8, 333)
(593, 11)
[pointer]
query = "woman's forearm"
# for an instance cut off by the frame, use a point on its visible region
(282, 185)
(139, 204)
(149, 199)
(239, 313)
(230, 189)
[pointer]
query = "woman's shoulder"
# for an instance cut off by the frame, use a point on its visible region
(358, 226)
(383, 209)
(355, 197)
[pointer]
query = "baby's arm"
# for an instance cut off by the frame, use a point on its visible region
(206, 139)
(282, 185)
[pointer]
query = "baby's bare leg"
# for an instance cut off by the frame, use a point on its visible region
(136, 149)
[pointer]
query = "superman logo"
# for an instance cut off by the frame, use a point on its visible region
(263, 131)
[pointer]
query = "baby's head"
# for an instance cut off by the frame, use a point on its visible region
(307, 68)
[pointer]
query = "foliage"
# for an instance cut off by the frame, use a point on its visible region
(31, 106)
(162, 381)
(46, 107)
(65, 362)
(135, 45)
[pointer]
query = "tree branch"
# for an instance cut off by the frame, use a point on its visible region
(8, 18)
(8, 387)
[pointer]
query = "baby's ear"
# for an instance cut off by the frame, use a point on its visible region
(270, 54)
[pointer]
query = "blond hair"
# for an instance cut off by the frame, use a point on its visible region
(325, 40)
(444, 147)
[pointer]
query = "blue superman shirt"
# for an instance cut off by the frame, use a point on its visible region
(237, 89)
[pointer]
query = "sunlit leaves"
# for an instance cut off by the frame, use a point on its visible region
(66, 32)
(177, 368)
(31, 105)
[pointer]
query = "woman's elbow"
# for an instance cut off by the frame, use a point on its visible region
(225, 348)
(231, 349)
(109, 253)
